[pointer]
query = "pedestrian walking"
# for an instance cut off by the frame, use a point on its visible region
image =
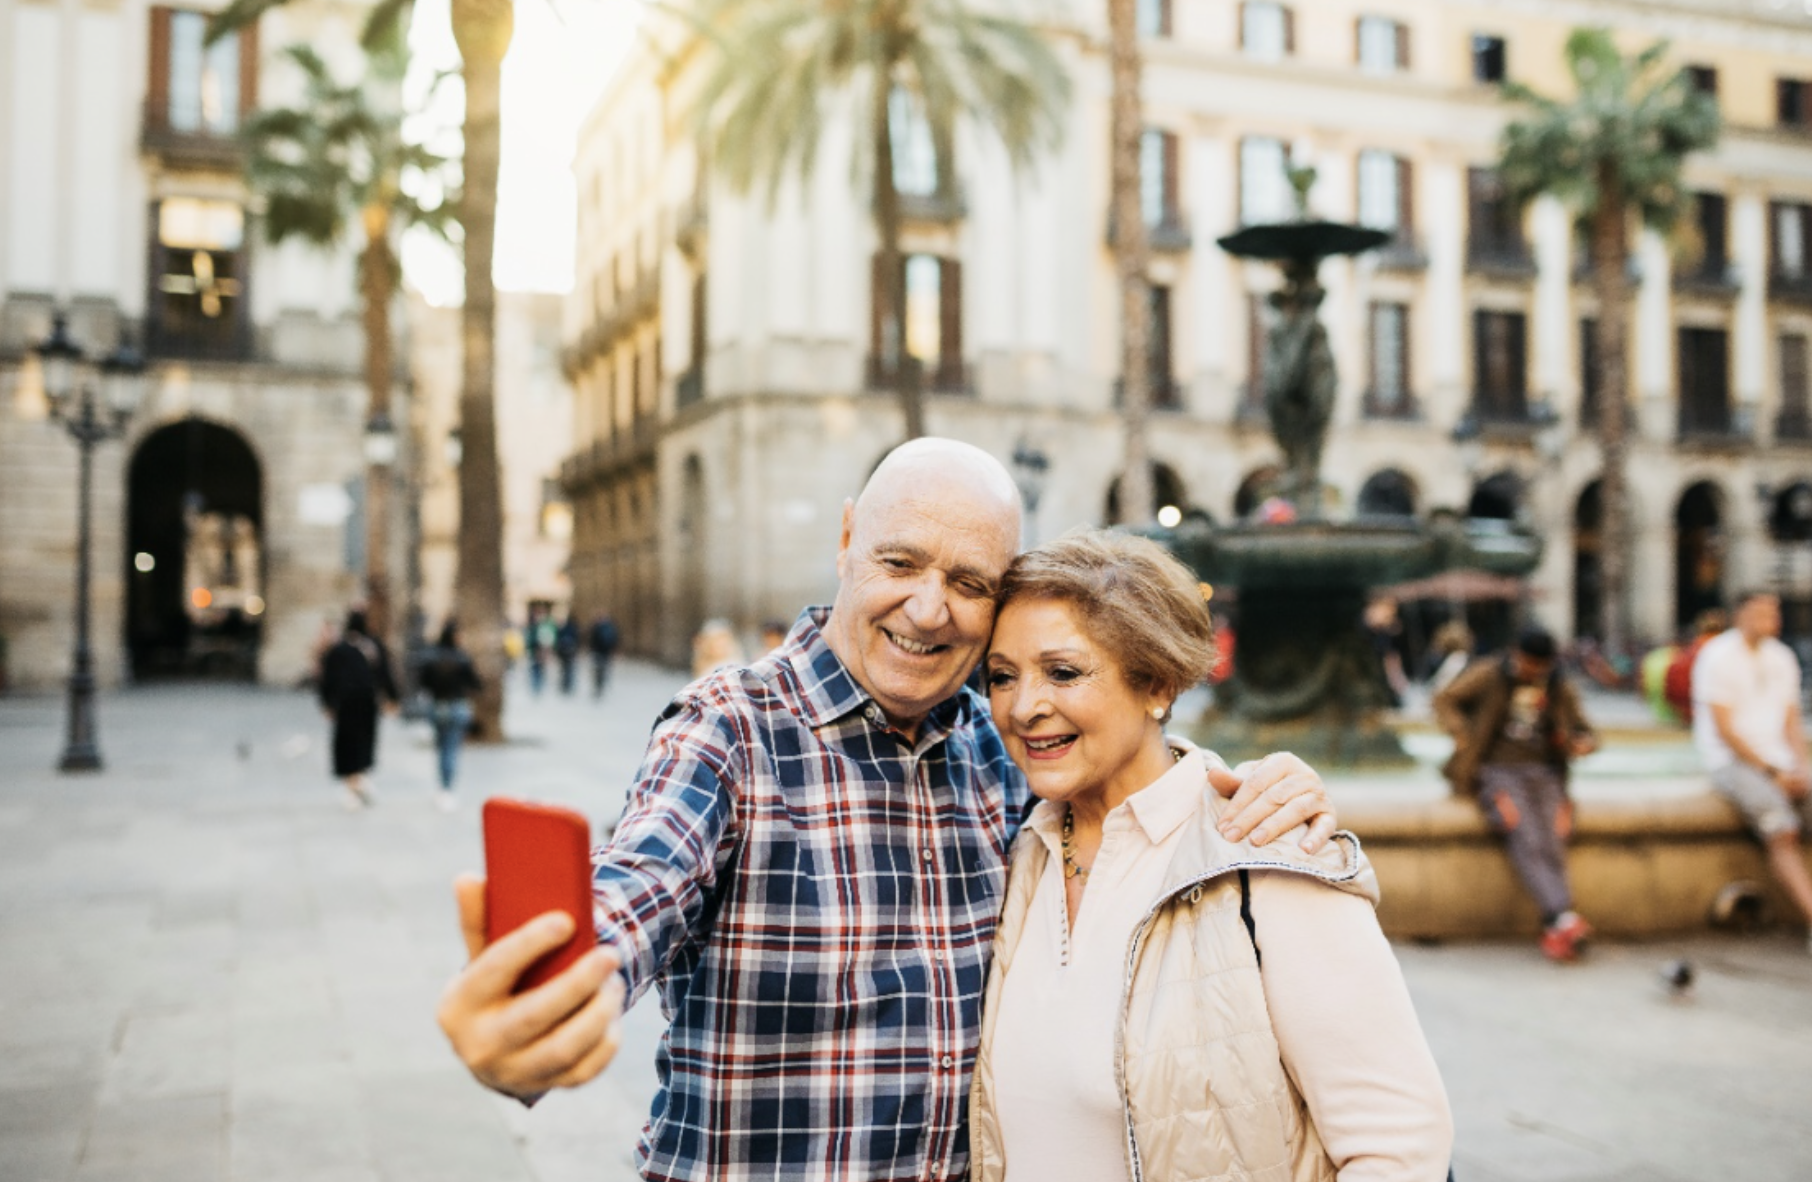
(537, 643)
(1747, 725)
(450, 680)
(1517, 725)
(356, 681)
(602, 640)
(566, 651)
(809, 867)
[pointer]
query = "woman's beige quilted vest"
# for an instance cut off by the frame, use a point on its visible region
(1201, 1081)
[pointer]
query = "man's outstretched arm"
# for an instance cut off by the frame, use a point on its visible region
(558, 1035)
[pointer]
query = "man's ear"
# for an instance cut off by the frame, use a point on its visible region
(849, 520)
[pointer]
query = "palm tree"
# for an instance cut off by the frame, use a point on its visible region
(482, 29)
(1614, 153)
(780, 62)
(336, 159)
(1130, 256)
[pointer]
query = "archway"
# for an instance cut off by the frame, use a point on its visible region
(1588, 571)
(1167, 493)
(1253, 490)
(1496, 497)
(1388, 493)
(1698, 553)
(194, 553)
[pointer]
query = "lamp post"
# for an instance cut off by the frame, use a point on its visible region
(90, 417)
(1029, 468)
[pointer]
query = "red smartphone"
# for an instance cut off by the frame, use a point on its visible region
(537, 858)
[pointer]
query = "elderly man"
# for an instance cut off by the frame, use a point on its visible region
(810, 867)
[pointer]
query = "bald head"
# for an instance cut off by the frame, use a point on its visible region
(923, 552)
(931, 469)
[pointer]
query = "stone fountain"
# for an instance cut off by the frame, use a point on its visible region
(1306, 676)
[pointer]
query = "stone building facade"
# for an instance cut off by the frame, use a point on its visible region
(720, 347)
(122, 205)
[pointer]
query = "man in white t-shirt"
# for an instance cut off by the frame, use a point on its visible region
(1747, 726)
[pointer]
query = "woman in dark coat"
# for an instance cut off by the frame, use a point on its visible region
(355, 673)
(449, 678)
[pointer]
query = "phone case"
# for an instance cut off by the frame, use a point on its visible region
(537, 859)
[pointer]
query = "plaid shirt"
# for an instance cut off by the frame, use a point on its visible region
(816, 900)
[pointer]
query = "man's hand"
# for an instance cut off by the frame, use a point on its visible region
(1793, 781)
(558, 1035)
(1582, 745)
(1270, 797)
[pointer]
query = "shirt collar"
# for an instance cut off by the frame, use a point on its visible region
(1157, 809)
(828, 691)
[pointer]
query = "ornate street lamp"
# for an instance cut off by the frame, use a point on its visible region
(94, 401)
(1029, 468)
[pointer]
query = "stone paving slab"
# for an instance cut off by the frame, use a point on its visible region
(211, 970)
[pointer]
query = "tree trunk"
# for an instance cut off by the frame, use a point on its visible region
(1610, 279)
(483, 29)
(890, 275)
(1130, 251)
(377, 284)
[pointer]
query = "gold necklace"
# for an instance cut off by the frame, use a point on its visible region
(1071, 868)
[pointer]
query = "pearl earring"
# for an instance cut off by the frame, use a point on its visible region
(1157, 712)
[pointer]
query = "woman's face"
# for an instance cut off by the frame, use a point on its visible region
(1062, 704)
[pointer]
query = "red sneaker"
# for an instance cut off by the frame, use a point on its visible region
(1564, 938)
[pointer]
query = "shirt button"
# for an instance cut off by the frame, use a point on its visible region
(925, 853)
(947, 1062)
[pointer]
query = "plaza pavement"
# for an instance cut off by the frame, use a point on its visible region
(210, 970)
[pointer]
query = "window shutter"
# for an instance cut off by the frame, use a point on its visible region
(1402, 46)
(1406, 200)
(1483, 395)
(950, 324)
(877, 304)
(1406, 369)
(1518, 344)
(1289, 30)
(248, 70)
(1171, 204)
(1244, 24)
(157, 97)
(1358, 40)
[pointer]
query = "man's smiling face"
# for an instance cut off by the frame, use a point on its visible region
(922, 556)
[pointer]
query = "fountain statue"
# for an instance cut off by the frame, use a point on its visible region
(1306, 676)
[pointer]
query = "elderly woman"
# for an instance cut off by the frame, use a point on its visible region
(1165, 1003)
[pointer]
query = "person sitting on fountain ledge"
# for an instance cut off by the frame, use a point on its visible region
(1516, 724)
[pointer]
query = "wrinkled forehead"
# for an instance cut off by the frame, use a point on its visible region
(944, 526)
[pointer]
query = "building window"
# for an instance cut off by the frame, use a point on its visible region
(914, 147)
(1384, 192)
(1792, 227)
(1158, 178)
(1383, 45)
(1793, 102)
(1709, 257)
(1588, 375)
(1704, 381)
(933, 323)
(1154, 18)
(1267, 30)
(1265, 194)
(1795, 420)
(1163, 387)
(1489, 59)
(1388, 395)
(1500, 389)
(1494, 232)
(1704, 79)
(197, 297)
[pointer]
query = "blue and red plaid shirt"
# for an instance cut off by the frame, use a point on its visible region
(816, 899)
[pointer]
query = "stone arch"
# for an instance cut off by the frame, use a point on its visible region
(1252, 491)
(1167, 490)
(1498, 496)
(195, 554)
(1699, 551)
(1389, 492)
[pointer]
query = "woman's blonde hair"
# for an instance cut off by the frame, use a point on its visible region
(1133, 599)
